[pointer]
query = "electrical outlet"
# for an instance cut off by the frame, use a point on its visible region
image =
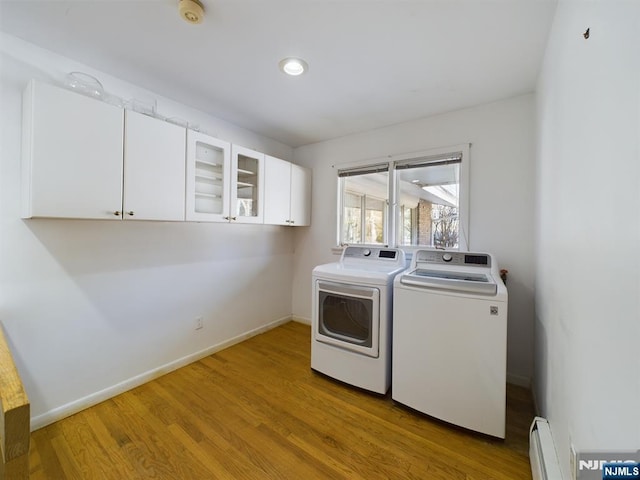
(199, 323)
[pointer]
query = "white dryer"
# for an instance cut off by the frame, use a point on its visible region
(450, 339)
(351, 318)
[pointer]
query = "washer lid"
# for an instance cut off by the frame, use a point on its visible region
(451, 280)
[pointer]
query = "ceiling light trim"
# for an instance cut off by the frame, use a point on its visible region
(293, 66)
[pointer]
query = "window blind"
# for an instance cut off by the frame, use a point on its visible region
(351, 172)
(430, 161)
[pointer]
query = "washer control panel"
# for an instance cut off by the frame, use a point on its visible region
(453, 258)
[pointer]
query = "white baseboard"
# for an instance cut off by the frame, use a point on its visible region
(76, 406)
(306, 321)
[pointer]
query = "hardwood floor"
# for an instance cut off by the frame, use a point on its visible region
(257, 411)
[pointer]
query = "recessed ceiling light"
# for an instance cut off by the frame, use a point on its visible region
(293, 66)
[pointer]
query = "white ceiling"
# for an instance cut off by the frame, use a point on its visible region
(371, 63)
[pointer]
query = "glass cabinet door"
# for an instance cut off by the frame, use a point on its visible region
(247, 185)
(224, 182)
(208, 178)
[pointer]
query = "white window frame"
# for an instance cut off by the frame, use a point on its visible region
(393, 211)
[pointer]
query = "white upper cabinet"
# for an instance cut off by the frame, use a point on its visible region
(208, 178)
(287, 193)
(154, 169)
(84, 158)
(277, 191)
(79, 153)
(72, 155)
(300, 196)
(247, 185)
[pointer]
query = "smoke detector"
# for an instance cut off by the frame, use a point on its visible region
(191, 11)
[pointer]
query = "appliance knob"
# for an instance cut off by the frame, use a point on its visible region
(447, 257)
(366, 252)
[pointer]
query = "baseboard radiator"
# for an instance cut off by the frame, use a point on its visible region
(542, 452)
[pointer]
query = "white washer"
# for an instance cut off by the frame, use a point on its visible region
(450, 339)
(351, 319)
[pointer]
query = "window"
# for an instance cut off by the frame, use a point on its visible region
(364, 205)
(429, 191)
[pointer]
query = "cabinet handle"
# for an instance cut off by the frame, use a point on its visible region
(116, 213)
(226, 218)
(130, 213)
(291, 222)
(234, 218)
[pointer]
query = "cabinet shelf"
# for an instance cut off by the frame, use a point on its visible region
(212, 164)
(245, 184)
(242, 171)
(206, 195)
(215, 178)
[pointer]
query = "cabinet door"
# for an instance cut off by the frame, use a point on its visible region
(277, 191)
(72, 155)
(247, 185)
(300, 196)
(154, 169)
(208, 178)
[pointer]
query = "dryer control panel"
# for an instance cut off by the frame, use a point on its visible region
(373, 257)
(372, 253)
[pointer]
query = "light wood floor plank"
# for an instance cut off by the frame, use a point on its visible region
(257, 411)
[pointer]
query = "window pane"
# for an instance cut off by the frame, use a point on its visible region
(431, 194)
(408, 229)
(375, 220)
(352, 224)
(364, 208)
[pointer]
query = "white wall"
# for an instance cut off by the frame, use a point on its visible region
(587, 378)
(501, 200)
(93, 307)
